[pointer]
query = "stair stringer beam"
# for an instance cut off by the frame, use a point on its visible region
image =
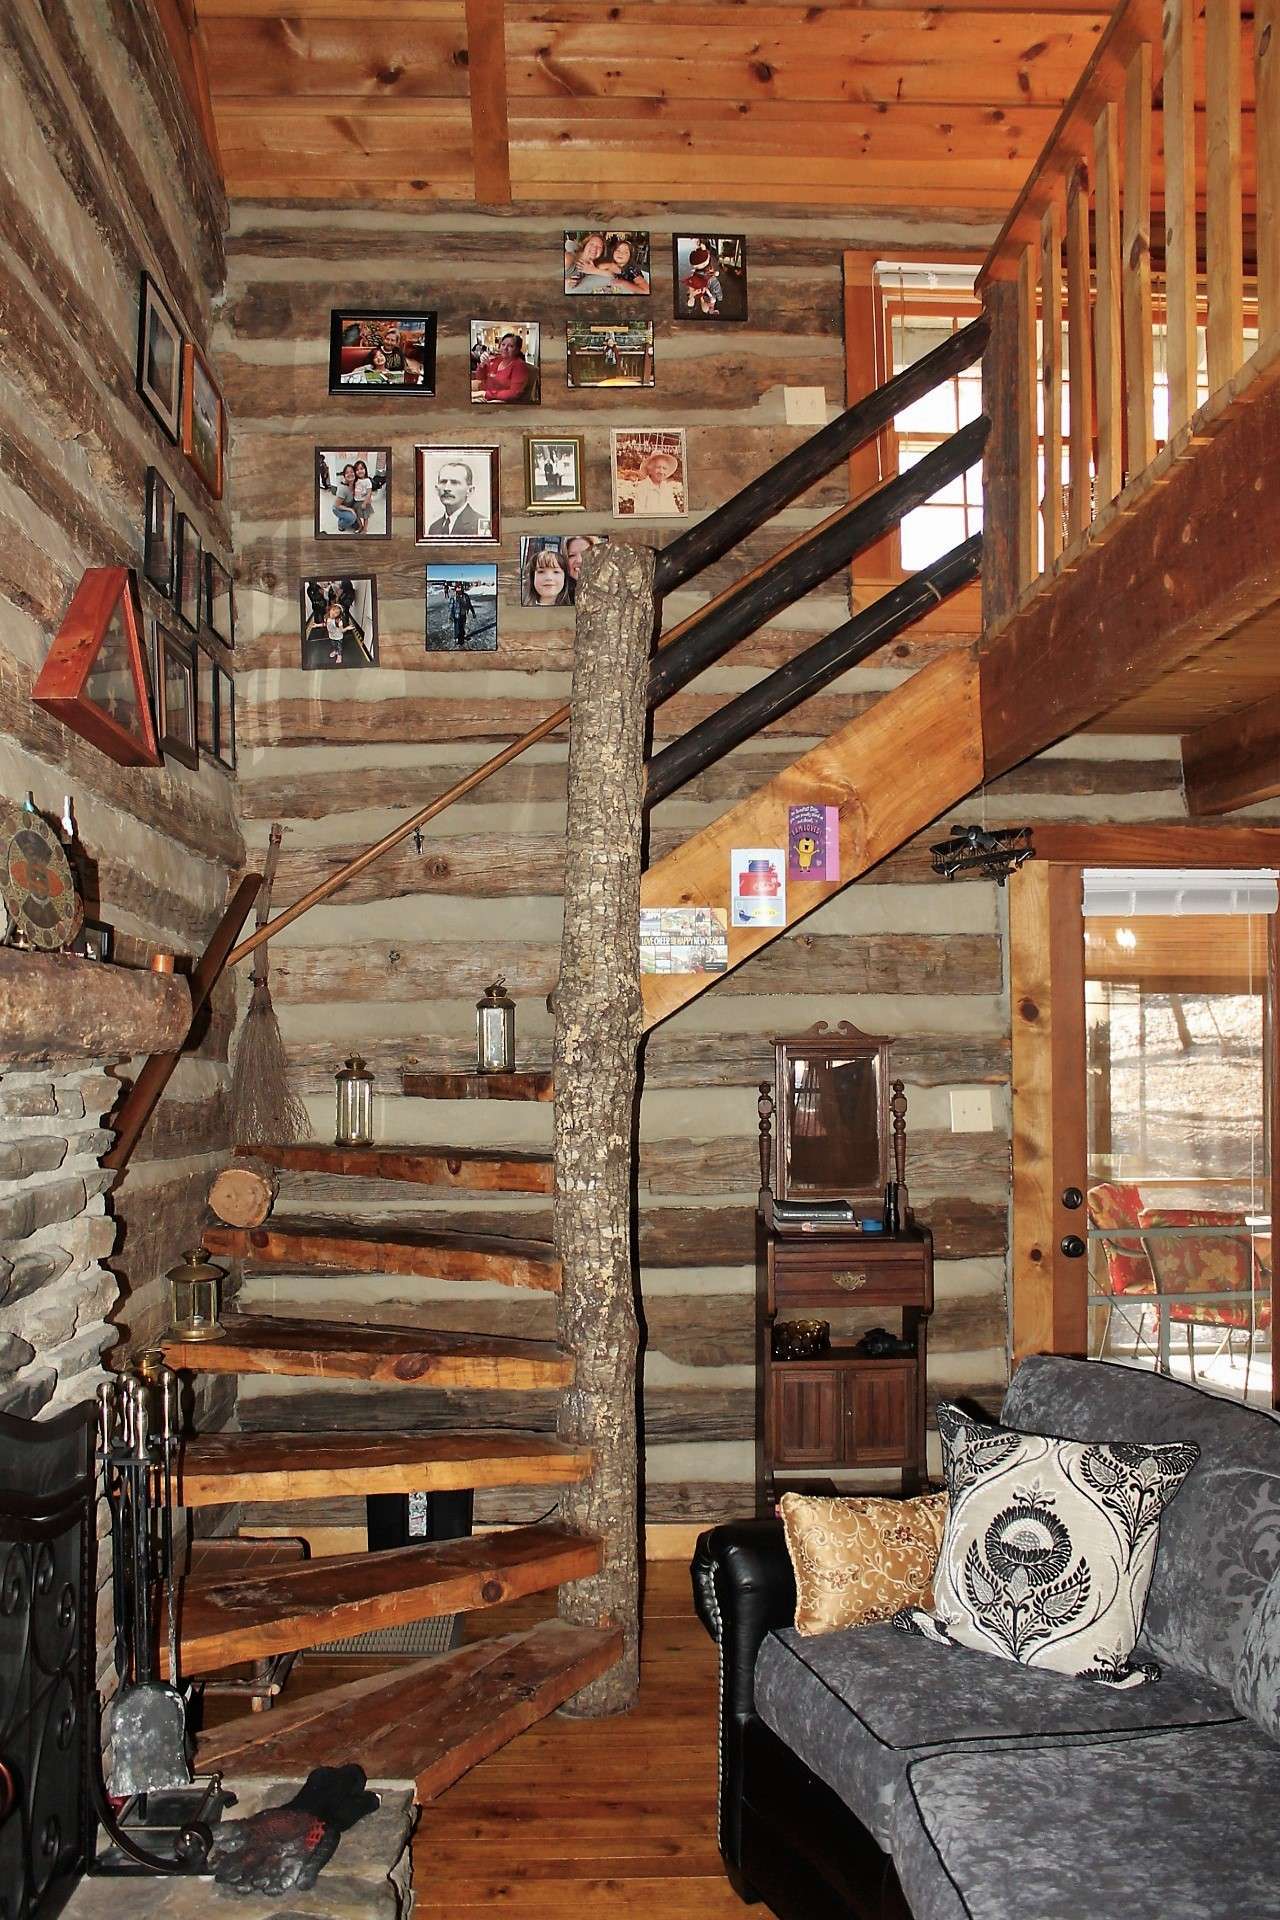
(890, 771)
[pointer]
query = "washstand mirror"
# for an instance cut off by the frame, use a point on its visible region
(831, 1094)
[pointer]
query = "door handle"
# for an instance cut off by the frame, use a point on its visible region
(850, 1279)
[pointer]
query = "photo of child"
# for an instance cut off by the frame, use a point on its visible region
(550, 566)
(353, 493)
(339, 622)
(599, 261)
(709, 276)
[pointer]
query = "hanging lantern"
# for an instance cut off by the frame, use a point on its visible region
(355, 1104)
(194, 1288)
(496, 1030)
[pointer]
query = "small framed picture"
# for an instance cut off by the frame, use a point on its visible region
(190, 569)
(340, 622)
(353, 493)
(159, 356)
(206, 666)
(203, 424)
(161, 533)
(609, 356)
(506, 364)
(649, 473)
(709, 276)
(553, 473)
(93, 942)
(550, 564)
(219, 600)
(224, 712)
(601, 261)
(462, 606)
(385, 351)
(457, 496)
(176, 698)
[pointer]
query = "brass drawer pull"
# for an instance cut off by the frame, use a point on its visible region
(851, 1278)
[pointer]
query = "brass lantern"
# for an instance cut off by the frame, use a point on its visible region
(496, 1030)
(355, 1104)
(194, 1288)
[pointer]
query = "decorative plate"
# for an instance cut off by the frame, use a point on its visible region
(36, 882)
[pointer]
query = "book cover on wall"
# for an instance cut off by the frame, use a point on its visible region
(684, 940)
(758, 884)
(813, 843)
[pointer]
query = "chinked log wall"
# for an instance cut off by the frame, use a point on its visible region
(395, 962)
(102, 174)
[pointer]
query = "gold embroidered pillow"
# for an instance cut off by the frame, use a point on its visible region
(857, 1561)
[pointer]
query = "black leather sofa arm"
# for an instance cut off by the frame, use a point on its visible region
(743, 1587)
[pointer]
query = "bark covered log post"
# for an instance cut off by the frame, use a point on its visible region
(598, 1031)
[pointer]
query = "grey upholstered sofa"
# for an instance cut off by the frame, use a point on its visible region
(874, 1773)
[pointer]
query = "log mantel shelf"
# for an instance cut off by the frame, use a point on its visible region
(57, 1006)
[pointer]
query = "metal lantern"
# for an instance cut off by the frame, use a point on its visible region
(355, 1104)
(194, 1288)
(496, 1030)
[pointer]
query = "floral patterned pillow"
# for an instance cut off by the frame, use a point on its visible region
(860, 1560)
(1049, 1547)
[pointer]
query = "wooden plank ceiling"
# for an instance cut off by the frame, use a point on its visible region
(582, 102)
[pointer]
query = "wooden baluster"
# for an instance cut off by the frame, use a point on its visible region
(1106, 313)
(1180, 208)
(1266, 54)
(1080, 349)
(1051, 375)
(1028, 466)
(1224, 233)
(1140, 443)
(1000, 461)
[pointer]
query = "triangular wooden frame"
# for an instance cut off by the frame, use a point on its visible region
(60, 684)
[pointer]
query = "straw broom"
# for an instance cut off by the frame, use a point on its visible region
(264, 1111)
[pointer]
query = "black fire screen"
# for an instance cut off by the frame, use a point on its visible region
(47, 1538)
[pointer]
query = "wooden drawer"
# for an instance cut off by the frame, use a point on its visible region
(846, 1277)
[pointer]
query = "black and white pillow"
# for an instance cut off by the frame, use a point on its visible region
(1049, 1547)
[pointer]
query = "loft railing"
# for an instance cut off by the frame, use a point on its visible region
(1095, 177)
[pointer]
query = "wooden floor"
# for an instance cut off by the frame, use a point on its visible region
(585, 1819)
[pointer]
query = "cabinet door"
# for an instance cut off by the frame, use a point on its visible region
(806, 1415)
(878, 1402)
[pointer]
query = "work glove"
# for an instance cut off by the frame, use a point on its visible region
(282, 1849)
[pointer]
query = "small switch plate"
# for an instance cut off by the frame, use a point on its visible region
(971, 1110)
(804, 406)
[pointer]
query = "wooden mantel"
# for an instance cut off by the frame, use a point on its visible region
(56, 1006)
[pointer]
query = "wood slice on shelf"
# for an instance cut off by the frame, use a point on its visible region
(244, 1192)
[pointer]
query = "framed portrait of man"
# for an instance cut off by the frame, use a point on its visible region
(457, 496)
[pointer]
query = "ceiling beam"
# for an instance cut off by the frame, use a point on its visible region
(1235, 761)
(487, 70)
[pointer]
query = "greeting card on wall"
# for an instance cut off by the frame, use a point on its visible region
(684, 940)
(758, 879)
(813, 843)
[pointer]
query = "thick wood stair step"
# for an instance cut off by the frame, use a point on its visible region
(334, 1350)
(478, 1086)
(219, 1468)
(436, 1253)
(431, 1721)
(224, 1622)
(476, 1169)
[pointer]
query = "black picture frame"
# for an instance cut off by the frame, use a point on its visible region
(338, 622)
(188, 580)
(224, 706)
(176, 720)
(159, 370)
(709, 291)
(349, 357)
(206, 664)
(219, 600)
(160, 534)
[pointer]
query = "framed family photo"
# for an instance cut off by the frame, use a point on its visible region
(219, 600)
(339, 621)
(159, 357)
(462, 606)
(597, 260)
(649, 472)
(550, 564)
(203, 419)
(506, 367)
(161, 533)
(387, 351)
(176, 698)
(553, 467)
(206, 670)
(457, 496)
(190, 572)
(353, 493)
(598, 354)
(709, 276)
(224, 715)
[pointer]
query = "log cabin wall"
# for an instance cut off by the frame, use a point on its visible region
(394, 964)
(102, 175)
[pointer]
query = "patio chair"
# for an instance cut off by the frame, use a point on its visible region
(1206, 1264)
(1128, 1270)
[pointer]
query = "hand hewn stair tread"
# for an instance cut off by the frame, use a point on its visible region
(483, 1169)
(220, 1468)
(431, 1721)
(431, 1252)
(336, 1350)
(224, 1622)
(478, 1086)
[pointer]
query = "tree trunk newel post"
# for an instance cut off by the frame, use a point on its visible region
(598, 1028)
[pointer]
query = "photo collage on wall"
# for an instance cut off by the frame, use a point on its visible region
(609, 347)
